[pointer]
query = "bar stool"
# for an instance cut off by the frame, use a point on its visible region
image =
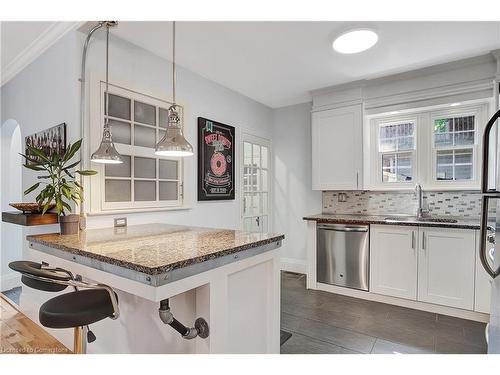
(77, 309)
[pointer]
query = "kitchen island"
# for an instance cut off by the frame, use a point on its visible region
(229, 278)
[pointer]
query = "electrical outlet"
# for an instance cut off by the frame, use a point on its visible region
(120, 222)
(342, 197)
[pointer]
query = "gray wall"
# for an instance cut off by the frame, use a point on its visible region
(292, 188)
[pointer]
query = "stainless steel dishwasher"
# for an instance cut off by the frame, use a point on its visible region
(343, 255)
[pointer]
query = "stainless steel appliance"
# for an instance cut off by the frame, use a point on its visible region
(342, 255)
(490, 258)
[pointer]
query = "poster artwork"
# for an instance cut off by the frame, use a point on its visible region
(215, 160)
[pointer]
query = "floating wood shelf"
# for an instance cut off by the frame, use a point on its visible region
(19, 218)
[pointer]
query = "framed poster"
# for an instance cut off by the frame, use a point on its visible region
(51, 141)
(215, 160)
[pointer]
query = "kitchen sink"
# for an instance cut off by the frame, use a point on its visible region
(426, 219)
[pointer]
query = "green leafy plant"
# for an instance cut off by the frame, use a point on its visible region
(62, 187)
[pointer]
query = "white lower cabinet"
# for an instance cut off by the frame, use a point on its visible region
(393, 261)
(446, 267)
(432, 265)
(482, 295)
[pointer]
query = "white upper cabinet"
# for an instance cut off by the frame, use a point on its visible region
(337, 148)
(446, 267)
(393, 261)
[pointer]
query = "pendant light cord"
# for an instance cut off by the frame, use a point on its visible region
(106, 123)
(173, 63)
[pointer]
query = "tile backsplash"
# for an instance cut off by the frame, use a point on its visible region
(465, 204)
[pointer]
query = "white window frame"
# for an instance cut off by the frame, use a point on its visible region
(479, 112)
(98, 203)
(424, 171)
(376, 155)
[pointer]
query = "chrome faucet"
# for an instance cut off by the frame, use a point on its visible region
(421, 212)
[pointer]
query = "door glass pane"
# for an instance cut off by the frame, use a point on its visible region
(168, 190)
(265, 203)
(256, 155)
(117, 190)
(121, 132)
(256, 179)
(264, 186)
(118, 106)
(144, 113)
(257, 204)
(247, 154)
(144, 136)
(246, 179)
(264, 155)
(145, 190)
(247, 204)
(247, 224)
(119, 170)
(144, 167)
(264, 224)
(168, 169)
(256, 224)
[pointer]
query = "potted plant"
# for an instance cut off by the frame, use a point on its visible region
(61, 187)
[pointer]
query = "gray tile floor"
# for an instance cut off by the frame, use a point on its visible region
(322, 322)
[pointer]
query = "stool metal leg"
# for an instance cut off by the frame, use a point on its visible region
(80, 340)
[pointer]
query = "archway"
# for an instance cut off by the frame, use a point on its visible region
(10, 191)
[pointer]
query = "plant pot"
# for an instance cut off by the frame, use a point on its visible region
(70, 224)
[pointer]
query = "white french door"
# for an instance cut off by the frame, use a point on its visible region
(256, 183)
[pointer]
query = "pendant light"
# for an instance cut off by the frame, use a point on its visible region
(106, 153)
(173, 142)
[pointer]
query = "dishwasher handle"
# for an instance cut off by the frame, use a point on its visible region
(342, 228)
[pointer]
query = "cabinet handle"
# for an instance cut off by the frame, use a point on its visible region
(413, 239)
(423, 240)
(357, 180)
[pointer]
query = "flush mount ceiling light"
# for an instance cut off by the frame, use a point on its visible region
(355, 41)
(173, 142)
(106, 153)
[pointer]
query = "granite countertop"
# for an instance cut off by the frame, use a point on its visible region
(395, 220)
(155, 248)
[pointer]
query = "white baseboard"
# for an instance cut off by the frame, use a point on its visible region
(437, 309)
(294, 265)
(10, 281)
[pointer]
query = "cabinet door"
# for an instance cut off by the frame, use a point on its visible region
(482, 294)
(393, 261)
(337, 148)
(446, 267)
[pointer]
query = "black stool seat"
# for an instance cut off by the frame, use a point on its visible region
(26, 267)
(76, 309)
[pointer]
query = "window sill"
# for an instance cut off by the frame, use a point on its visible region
(138, 210)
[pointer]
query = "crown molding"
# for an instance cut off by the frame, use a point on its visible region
(38, 46)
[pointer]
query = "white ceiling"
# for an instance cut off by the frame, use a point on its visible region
(275, 63)
(278, 63)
